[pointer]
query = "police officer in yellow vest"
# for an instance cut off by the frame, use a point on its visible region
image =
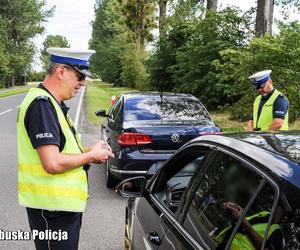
(52, 172)
(251, 234)
(270, 108)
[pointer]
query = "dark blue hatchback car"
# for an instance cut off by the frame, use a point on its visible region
(144, 129)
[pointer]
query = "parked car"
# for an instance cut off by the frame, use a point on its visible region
(219, 192)
(145, 129)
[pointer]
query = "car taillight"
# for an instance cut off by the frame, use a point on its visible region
(211, 133)
(131, 139)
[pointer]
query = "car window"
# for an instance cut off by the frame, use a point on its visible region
(115, 109)
(223, 193)
(177, 182)
(166, 109)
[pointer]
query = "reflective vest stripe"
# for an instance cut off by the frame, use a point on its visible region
(43, 180)
(48, 190)
(38, 170)
(266, 116)
(241, 241)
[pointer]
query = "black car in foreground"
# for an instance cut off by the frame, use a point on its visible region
(237, 191)
(145, 129)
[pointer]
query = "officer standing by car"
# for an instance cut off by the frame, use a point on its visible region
(270, 108)
(52, 164)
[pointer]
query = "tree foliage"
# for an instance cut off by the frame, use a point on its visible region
(185, 61)
(120, 31)
(108, 40)
(20, 21)
(139, 19)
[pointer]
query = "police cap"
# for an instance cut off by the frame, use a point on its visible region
(78, 59)
(260, 77)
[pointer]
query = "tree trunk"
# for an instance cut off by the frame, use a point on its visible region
(264, 17)
(212, 5)
(13, 80)
(162, 18)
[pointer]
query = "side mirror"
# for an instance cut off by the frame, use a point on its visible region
(101, 113)
(132, 187)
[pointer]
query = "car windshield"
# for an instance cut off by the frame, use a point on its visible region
(166, 109)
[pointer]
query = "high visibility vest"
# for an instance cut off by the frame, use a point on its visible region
(241, 241)
(266, 116)
(37, 188)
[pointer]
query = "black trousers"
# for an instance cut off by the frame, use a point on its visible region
(55, 221)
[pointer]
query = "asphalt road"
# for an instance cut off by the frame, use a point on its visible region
(103, 220)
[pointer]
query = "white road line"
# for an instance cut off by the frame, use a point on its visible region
(78, 109)
(6, 111)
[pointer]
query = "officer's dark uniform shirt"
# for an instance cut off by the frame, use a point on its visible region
(41, 122)
(275, 241)
(280, 106)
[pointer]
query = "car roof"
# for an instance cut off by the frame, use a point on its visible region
(132, 95)
(262, 148)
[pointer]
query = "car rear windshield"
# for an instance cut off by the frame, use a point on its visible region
(167, 109)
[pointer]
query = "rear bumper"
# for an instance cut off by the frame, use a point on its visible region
(136, 164)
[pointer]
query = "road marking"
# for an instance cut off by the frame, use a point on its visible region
(78, 109)
(6, 111)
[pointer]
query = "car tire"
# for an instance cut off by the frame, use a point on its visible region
(111, 182)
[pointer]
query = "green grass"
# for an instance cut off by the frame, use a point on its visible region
(4, 92)
(13, 91)
(228, 126)
(295, 125)
(99, 97)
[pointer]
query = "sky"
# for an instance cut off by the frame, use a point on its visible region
(72, 19)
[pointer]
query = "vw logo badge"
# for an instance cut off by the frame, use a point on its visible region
(175, 137)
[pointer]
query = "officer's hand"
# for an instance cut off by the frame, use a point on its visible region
(235, 209)
(100, 152)
(88, 149)
(102, 144)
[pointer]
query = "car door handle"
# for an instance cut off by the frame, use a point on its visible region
(154, 238)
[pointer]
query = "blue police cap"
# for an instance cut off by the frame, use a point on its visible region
(78, 59)
(260, 77)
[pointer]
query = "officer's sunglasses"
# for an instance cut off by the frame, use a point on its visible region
(80, 76)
